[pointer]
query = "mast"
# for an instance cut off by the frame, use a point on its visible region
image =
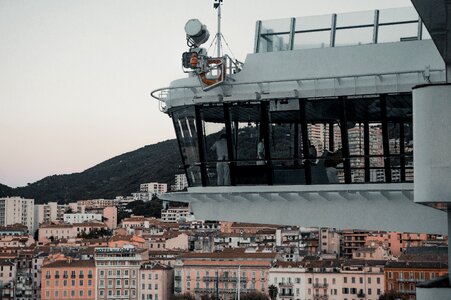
(217, 5)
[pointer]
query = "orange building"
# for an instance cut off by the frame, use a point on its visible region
(68, 279)
(402, 276)
(220, 272)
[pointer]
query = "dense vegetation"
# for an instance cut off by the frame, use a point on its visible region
(117, 176)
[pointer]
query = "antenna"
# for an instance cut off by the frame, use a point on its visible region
(217, 5)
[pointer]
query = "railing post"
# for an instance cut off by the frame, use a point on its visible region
(345, 140)
(292, 33)
(258, 27)
(200, 144)
(376, 26)
(333, 30)
(385, 138)
(420, 29)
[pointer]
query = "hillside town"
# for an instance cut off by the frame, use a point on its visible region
(84, 250)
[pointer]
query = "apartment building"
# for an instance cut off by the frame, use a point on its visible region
(403, 276)
(8, 270)
(68, 279)
(154, 188)
(110, 216)
(175, 214)
(289, 278)
(181, 182)
(45, 213)
(220, 273)
(17, 210)
(72, 218)
(156, 282)
(117, 272)
(51, 232)
(351, 241)
(398, 242)
(329, 241)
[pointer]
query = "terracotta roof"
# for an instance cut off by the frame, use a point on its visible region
(71, 264)
(288, 264)
(416, 265)
(228, 255)
(89, 224)
(239, 225)
(155, 266)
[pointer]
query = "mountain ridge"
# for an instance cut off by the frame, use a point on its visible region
(118, 176)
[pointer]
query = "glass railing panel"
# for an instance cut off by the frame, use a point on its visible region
(274, 35)
(312, 32)
(398, 24)
(354, 28)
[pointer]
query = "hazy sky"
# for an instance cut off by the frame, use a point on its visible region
(75, 76)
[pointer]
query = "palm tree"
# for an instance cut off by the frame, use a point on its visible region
(273, 291)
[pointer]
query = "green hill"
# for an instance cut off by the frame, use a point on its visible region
(118, 176)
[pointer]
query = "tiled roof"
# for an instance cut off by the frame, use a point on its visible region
(71, 264)
(416, 265)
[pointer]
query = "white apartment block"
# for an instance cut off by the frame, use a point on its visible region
(17, 210)
(80, 218)
(176, 214)
(45, 213)
(180, 182)
(155, 188)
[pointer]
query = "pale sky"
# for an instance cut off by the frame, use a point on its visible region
(75, 75)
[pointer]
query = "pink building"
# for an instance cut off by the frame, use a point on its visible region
(110, 216)
(8, 270)
(398, 242)
(53, 232)
(197, 273)
(68, 279)
(156, 282)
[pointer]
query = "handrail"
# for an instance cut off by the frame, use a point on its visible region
(298, 81)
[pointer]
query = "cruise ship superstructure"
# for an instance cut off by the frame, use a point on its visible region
(319, 126)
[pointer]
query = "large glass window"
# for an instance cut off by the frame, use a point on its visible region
(185, 127)
(217, 156)
(298, 141)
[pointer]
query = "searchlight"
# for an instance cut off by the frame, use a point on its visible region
(196, 33)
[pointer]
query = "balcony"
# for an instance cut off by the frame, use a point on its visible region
(409, 280)
(223, 279)
(222, 291)
(411, 292)
(360, 295)
(285, 284)
(284, 295)
(320, 285)
(177, 278)
(320, 297)
(177, 289)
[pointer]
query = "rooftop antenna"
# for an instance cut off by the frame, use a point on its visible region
(217, 5)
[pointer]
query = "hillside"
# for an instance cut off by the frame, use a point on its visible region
(117, 176)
